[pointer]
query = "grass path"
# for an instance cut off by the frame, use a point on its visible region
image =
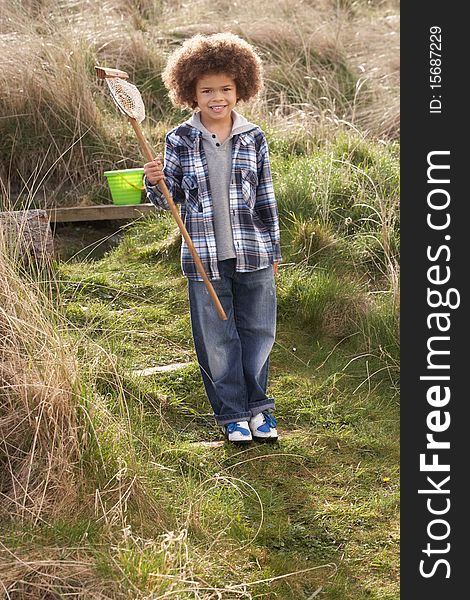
(323, 502)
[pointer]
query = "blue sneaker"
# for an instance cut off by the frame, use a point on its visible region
(263, 427)
(238, 432)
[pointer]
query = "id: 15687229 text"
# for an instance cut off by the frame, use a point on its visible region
(435, 69)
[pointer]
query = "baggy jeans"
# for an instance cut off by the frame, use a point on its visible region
(233, 355)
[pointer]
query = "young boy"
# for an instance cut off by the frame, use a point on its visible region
(217, 168)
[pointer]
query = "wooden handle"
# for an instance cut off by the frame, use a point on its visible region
(147, 151)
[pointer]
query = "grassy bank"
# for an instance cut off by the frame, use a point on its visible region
(159, 505)
(163, 506)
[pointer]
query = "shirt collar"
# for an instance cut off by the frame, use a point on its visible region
(239, 124)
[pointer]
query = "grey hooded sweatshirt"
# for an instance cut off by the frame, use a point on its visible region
(219, 165)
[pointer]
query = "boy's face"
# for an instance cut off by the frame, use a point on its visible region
(216, 96)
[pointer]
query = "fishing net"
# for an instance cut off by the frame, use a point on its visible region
(127, 98)
(129, 101)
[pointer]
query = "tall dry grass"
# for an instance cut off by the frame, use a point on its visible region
(52, 573)
(329, 65)
(41, 439)
(58, 131)
(63, 450)
(63, 410)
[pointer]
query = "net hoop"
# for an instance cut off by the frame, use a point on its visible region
(127, 98)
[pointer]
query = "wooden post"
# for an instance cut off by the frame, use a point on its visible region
(27, 234)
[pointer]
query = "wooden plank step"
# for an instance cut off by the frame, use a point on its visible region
(161, 369)
(99, 212)
(217, 444)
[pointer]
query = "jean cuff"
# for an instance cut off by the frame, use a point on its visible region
(226, 419)
(258, 407)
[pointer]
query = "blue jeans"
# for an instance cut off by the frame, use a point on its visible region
(233, 355)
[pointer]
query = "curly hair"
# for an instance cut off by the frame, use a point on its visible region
(206, 54)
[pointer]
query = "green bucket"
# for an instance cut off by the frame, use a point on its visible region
(126, 185)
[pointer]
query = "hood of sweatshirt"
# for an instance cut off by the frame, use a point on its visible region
(240, 124)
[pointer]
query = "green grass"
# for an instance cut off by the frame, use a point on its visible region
(348, 183)
(319, 510)
(323, 502)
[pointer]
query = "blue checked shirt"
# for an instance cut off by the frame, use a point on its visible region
(253, 209)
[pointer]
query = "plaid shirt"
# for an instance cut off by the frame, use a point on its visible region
(253, 209)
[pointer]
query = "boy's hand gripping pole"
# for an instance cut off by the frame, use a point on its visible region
(129, 101)
(175, 212)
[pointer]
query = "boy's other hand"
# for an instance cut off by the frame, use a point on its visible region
(275, 267)
(154, 171)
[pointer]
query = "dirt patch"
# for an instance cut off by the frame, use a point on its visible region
(86, 240)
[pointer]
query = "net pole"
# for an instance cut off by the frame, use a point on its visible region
(147, 151)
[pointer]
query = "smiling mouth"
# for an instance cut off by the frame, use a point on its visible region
(218, 107)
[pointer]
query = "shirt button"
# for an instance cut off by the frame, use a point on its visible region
(217, 144)
(213, 135)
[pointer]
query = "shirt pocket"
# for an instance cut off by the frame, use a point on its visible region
(191, 193)
(249, 184)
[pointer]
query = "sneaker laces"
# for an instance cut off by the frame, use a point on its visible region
(270, 419)
(231, 427)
